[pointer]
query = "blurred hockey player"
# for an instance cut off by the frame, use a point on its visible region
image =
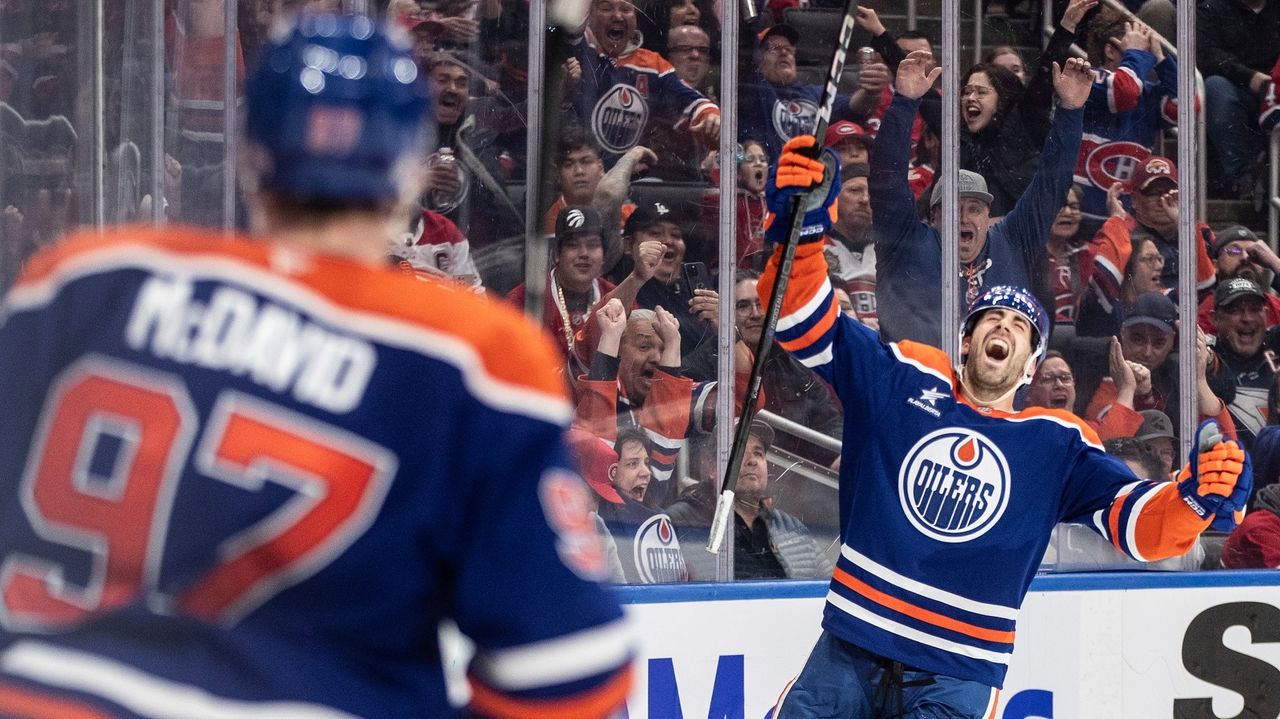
(947, 495)
(250, 477)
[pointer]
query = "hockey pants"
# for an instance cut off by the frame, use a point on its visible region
(842, 681)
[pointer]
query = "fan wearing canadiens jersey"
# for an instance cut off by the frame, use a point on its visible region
(250, 477)
(947, 495)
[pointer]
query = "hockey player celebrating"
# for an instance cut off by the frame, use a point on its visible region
(948, 496)
(250, 478)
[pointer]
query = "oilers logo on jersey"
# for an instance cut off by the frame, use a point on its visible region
(954, 485)
(657, 552)
(794, 117)
(619, 116)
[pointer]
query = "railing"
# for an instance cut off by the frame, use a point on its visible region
(799, 431)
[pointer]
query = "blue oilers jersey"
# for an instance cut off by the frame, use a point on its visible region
(616, 98)
(946, 510)
(243, 480)
(773, 114)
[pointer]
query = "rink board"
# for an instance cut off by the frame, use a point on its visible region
(1140, 645)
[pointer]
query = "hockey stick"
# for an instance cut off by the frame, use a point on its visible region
(725, 503)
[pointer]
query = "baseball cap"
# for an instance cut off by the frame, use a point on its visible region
(1155, 424)
(1234, 233)
(1152, 169)
(1153, 308)
(648, 214)
(1229, 291)
(763, 432)
(782, 29)
(578, 220)
(971, 184)
(846, 130)
(594, 459)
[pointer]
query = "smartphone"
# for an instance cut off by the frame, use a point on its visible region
(697, 276)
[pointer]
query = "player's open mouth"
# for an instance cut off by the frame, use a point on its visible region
(997, 349)
(966, 235)
(758, 175)
(1058, 401)
(972, 110)
(617, 32)
(670, 254)
(637, 492)
(451, 100)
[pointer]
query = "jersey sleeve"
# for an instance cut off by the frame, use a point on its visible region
(1206, 273)
(1112, 249)
(842, 351)
(550, 640)
(692, 105)
(1032, 215)
(892, 203)
(1143, 518)
(1125, 85)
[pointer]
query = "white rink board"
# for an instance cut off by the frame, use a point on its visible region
(1089, 654)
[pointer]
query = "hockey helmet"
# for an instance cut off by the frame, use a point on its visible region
(336, 112)
(1018, 300)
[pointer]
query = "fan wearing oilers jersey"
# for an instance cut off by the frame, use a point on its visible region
(947, 495)
(252, 476)
(618, 87)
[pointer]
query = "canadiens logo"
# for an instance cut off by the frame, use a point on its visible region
(794, 117)
(656, 552)
(619, 117)
(954, 485)
(1113, 162)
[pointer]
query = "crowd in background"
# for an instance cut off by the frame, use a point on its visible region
(1072, 192)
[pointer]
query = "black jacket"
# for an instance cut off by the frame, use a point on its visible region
(1235, 42)
(1006, 154)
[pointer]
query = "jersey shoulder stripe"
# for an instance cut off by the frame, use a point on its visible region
(927, 359)
(1060, 417)
(506, 362)
(645, 60)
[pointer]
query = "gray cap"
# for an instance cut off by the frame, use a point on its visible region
(1234, 233)
(1155, 424)
(762, 431)
(971, 184)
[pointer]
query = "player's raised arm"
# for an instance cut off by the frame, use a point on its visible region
(806, 324)
(1151, 520)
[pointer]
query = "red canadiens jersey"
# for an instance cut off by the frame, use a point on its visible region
(437, 244)
(243, 480)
